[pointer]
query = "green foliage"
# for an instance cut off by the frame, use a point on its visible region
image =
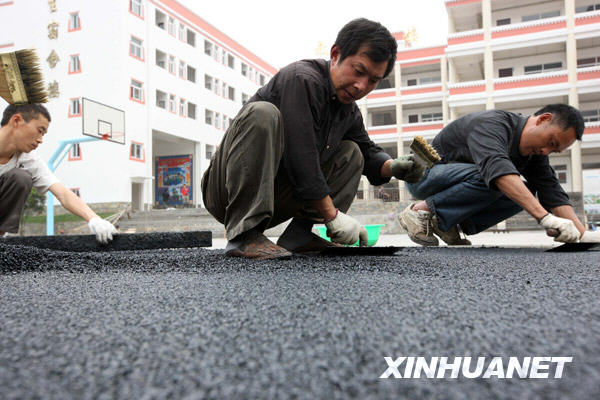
(35, 204)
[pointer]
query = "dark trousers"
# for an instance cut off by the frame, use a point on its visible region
(15, 186)
(457, 194)
(243, 188)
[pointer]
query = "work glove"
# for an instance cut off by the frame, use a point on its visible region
(344, 229)
(406, 169)
(566, 228)
(103, 229)
(590, 237)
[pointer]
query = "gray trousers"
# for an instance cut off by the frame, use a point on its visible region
(15, 186)
(243, 188)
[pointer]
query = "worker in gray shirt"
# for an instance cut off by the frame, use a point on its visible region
(478, 182)
(298, 149)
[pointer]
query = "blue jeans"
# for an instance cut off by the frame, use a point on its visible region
(458, 196)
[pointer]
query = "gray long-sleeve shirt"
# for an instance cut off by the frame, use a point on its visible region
(490, 140)
(315, 123)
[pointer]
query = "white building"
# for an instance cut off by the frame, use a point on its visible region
(179, 80)
(516, 55)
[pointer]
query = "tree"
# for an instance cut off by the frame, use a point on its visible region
(35, 204)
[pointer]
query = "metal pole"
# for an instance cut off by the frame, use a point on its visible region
(53, 164)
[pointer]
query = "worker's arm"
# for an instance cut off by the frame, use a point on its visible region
(98, 226)
(514, 188)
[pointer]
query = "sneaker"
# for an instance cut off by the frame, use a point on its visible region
(452, 237)
(418, 226)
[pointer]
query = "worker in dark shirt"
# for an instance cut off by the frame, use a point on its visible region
(478, 182)
(298, 148)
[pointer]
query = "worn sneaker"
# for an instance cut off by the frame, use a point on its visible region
(452, 237)
(418, 226)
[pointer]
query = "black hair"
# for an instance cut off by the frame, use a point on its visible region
(27, 111)
(565, 116)
(381, 44)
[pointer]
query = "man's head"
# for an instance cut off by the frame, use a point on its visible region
(551, 129)
(27, 124)
(364, 53)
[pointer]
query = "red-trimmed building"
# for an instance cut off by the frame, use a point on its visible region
(516, 55)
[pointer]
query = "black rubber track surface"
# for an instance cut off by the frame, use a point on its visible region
(191, 324)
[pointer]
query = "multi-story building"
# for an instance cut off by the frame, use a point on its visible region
(179, 80)
(505, 54)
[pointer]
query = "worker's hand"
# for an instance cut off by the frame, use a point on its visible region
(568, 233)
(103, 229)
(590, 237)
(406, 169)
(346, 230)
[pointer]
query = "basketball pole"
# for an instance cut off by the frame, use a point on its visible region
(64, 146)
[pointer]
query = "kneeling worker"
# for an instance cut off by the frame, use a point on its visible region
(298, 149)
(21, 131)
(478, 182)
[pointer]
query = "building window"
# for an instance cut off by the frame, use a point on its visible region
(160, 19)
(208, 82)
(588, 62)
(136, 92)
(181, 32)
(244, 69)
(230, 61)
(74, 22)
(561, 173)
(161, 99)
(135, 6)
(505, 72)
(191, 74)
(171, 26)
(208, 48)
(135, 48)
(430, 79)
(136, 151)
(413, 119)
(411, 82)
(245, 98)
(182, 107)
(589, 8)
(172, 103)
(75, 152)
(504, 21)
(218, 120)
(209, 150)
(191, 110)
(224, 89)
(262, 80)
(590, 115)
(182, 69)
(383, 118)
(231, 93)
(217, 86)
(172, 64)
(74, 64)
(161, 59)
(191, 38)
(75, 107)
(431, 117)
(536, 69)
(217, 53)
(544, 15)
(208, 117)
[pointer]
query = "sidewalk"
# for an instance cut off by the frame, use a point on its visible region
(487, 239)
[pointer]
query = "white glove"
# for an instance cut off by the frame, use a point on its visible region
(103, 229)
(590, 237)
(566, 228)
(344, 229)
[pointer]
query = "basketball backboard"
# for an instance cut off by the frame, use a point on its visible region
(102, 121)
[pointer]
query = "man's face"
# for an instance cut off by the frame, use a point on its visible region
(356, 75)
(29, 135)
(545, 137)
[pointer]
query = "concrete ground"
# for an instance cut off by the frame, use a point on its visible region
(191, 324)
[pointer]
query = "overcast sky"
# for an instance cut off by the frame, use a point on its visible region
(281, 32)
